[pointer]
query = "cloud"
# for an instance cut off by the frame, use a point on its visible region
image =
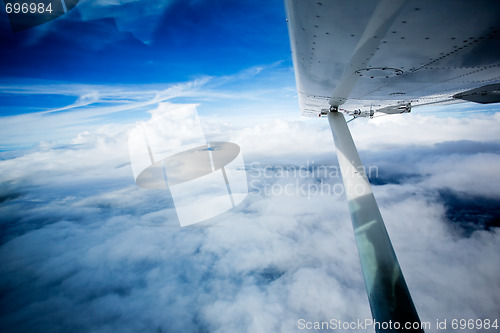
(113, 108)
(84, 249)
(95, 105)
(130, 15)
(409, 128)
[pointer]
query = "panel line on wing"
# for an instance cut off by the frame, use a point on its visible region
(380, 22)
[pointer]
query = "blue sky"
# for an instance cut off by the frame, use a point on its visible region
(172, 41)
(84, 249)
(101, 54)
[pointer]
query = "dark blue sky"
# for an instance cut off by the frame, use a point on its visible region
(147, 42)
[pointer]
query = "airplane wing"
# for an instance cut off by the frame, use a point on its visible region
(364, 56)
(379, 54)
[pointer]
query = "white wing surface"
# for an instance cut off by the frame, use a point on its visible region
(363, 54)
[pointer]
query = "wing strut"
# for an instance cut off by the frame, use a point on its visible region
(389, 297)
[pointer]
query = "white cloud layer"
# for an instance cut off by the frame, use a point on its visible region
(84, 249)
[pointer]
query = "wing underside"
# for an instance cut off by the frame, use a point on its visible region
(372, 54)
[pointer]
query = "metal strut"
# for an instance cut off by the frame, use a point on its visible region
(388, 295)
